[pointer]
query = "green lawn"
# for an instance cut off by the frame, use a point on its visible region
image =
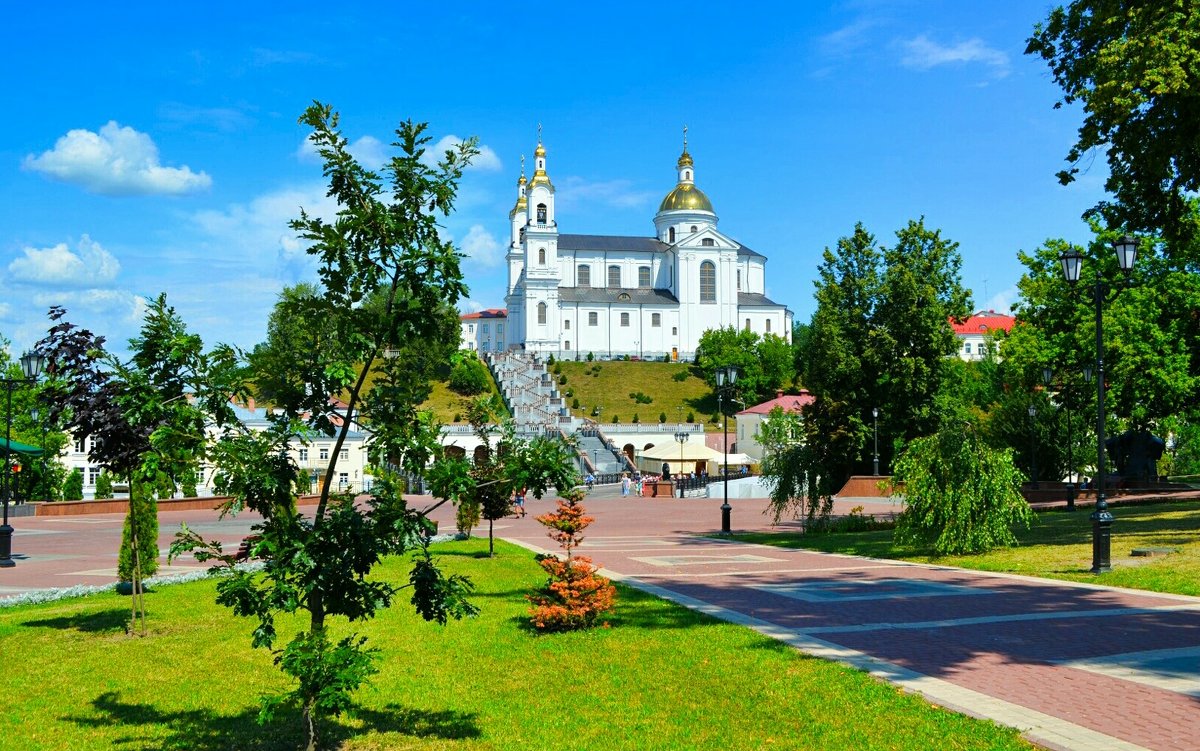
(608, 385)
(1057, 545)
(660, 677)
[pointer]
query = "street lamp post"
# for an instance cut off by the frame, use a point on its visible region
(1102, 519)
(1033, 445)
(31, 366)
(1065, 393)
(681, 437)
(875, 415)
(726, 378)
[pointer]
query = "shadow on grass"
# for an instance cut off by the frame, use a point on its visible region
(106, 621)
(204, 730)
(633, 609)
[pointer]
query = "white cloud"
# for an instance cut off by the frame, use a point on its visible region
(116, 161)
(368, 150)
(575, 191)
(89, 264)
(481, 246)
(847, 40)
(485, 161)
(471, 306)
(120, 304)
(922, 53)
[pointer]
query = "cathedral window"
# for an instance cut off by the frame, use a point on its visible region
(541, 213)
(624, 297)
(739, 281)
(674, 331)
(567, 345)
(625, 319)
(708, 242)
(583, 276)
(708, 282)
(567, 325)
(541, 255)
(693, 229)
(614, 277)
(747, 324)
(644, 277)
(768, 325)
(593, 319)
(656, 319)
(671, 235)
(541, 312)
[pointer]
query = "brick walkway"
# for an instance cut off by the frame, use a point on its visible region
(1073, 666)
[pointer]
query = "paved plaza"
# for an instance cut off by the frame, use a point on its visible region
(1074, 666)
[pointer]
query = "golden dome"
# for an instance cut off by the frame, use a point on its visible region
(685, 159)
(686, 197)
(540, 150)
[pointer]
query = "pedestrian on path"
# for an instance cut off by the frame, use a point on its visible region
(519, 503)
(625, 485)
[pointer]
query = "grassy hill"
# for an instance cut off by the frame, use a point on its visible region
(448, 405)
(608, 385)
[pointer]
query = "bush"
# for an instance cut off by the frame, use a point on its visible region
(562, 380)
(73, 486)
(960, 495)
(468, 377)
(590, 357)
(550, 360)
(680, 377)
(662, 417)
(636, 419)
(575, 403)
(666, 358)
(187, 486)
(575, 596)
(104, 485)
(691, 417)
(143, 512)
(616, 419)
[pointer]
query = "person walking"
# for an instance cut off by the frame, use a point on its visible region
(625, 485)
(519, 502)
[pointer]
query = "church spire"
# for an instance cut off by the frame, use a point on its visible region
(521, 202)
(539, 163)
(684, 165)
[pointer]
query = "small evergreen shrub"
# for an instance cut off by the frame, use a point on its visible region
(104, 486)
(562, 380)
(575, 596)
(575, 403)
(616, 419)
(662, 417)
(691, 417)
(73, 486)
(636, 419)
(680, 377)
(590, 357)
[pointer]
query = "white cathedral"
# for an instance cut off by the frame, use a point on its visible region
(646, 297)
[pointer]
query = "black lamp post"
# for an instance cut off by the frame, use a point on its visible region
(1033, 445)
(875, 415)
(726, 378)
(681, 438)
(1048, 378)
(1102, 519)
(31, 366)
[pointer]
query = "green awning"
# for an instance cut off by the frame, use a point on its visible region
(19, 448)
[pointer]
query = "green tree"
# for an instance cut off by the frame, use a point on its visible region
(383, 268)
(104, 486)
(73, 486)
(960, 495)
(1135, 69)
(765, 364)
(138, 556)
(468, 376)
(794, 457)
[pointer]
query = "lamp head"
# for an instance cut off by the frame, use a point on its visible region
(1032, 411)
(1072, 261)
(1126, 247)
(1047, 375)
(1087, 374)
(32, 364)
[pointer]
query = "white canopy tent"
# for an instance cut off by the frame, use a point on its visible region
(682, 458)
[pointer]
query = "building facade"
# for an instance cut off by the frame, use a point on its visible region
(976, 333)
(749, 421)
(483, 331)
(643, 296)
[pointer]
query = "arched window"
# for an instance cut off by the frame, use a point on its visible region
(541, 312)
(747, 324)
(625, 319)
(583, 276)
(541, 255)
(708, 242)
(567, 345)
(593, 319)
(614, 277)
(739, 280)
(644, 277)
(656, 319)
(967, 348)
(768, 325)
(693, 229)
(708, 282)
(671, 235)
(541, 213)
(567, 326)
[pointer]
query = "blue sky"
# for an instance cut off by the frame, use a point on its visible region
(154, 147)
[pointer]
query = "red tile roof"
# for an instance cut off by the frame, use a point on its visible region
(788, 402)
(489, 313)
(983, 322)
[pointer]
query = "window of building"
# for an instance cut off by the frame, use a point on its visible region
(614, 276)
(967, 348)
(708, 242)
(567, 345)
(768, 325)
(566, 325)
(93, 475)
(470, 328)
(499, 329)
(739, 280)
(693, 229)
(593, 319)
(624, 297)
(483, 328)
(344, 455)
(644, 277)
(747, 324)
(708, 282)
(674, 331)
(541, 255)
(303, 455)
(656, 319)
(343, 479)
(625, 319)
(541, 213)
(671, 235)
(583, 276)
(541, 312)
(79, 445)
(323, 453)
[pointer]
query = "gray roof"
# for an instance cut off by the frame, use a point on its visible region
(753, 299)
(622, 243)
(608, 295)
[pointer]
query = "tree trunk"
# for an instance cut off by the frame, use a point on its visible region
(491, 541)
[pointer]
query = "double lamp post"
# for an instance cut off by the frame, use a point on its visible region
(1102, 292)
(31, 366)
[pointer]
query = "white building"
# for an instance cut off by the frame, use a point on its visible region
(644, 296)
(975, 334)
(750, 421)
(484, 331)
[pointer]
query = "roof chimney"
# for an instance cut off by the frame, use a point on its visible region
(778, 393)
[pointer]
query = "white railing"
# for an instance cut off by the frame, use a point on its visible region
(665, 428)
